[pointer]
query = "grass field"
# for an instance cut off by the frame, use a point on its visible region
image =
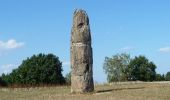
(115, 91)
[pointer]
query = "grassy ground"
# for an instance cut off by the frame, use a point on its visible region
(116, 91)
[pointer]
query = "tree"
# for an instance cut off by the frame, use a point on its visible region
(2, 82)
(160, 77)
(142, 69)
(68, 78)
(168, 76)
(116, 67)
(38, 69)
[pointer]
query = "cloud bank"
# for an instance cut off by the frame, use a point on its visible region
(10, 44)
(128, 48)
(165, 49)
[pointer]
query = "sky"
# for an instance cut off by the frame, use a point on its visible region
(137, 27)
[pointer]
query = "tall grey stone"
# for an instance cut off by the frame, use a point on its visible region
(81, 54)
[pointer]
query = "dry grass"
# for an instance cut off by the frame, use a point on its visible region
(120, 91)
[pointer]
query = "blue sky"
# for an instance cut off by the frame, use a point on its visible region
(138, 27)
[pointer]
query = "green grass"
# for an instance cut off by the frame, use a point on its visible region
(123, 91)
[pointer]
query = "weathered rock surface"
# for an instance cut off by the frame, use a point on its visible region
(81, 54)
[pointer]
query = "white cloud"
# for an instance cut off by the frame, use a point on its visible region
(165, 49)
(7, 68)
(128, 48)
(66, 63)
(10, 44)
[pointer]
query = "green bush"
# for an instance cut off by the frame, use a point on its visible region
(36, 70)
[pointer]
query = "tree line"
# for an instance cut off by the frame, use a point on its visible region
(46, 69)
(121, 67)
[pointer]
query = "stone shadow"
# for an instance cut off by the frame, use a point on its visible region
(118, 89)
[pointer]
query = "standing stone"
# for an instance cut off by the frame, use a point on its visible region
(81, 54)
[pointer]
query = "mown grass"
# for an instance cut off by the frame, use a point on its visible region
(125, 91)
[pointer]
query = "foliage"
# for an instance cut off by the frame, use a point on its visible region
(168, 76)
(160, 77)
(142, 69)
(68, 78)
(38, 69)
(121, 68)
(116, 67)
(2, 82)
